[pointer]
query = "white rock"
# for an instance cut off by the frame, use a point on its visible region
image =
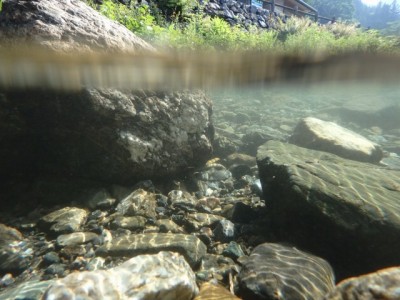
(330, 137)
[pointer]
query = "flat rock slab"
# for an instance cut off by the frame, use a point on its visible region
(325, 136)
(192, 248)
(343, 210)
(274, 271)
(165, 276)
(383, 284)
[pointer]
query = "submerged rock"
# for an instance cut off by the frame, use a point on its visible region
(274, 271)
(211, 291)
(65, 220)
(329, 137)
(189, 246)
(383, 284)
(343, 210)
(165, 276)
(15, 252)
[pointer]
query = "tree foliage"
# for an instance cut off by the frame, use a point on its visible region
(379, 16)
(343, 9)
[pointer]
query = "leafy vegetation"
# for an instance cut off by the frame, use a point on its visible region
(200, 32)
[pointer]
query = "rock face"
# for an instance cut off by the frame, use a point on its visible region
(274, 271)
(189, 246)
(170, 277)
(238, 13)
(342, 210)
(97, 134)
(64, 26)
(325, 136)
(383, 284)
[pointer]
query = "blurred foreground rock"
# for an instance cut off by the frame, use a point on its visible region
(383, 284)
(165, 276)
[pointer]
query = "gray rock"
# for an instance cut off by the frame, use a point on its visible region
(65, 220)
(170, 276)
(273, 271)
(188, 245)
(16, 253)
(139, 203)
(329, 137)
(75, 238)
(383, 284)
(345, 210)
(65, 25)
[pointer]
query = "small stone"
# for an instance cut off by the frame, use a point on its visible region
(168, 226)
(138, 203)
(6, 280)
(55, 269)
(224, 231)
(233, 250)
(97, 263)
(75, 238)
(131, 223)
(65, 220)
(129, 245)
(51, 258)
(101, 199)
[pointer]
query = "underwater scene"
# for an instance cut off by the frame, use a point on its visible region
(132, 173)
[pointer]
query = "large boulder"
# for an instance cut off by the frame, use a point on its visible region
(105, 135)
(345, 211)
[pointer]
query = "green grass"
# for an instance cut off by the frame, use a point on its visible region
(198, 32)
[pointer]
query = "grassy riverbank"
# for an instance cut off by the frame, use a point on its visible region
(298, 36)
